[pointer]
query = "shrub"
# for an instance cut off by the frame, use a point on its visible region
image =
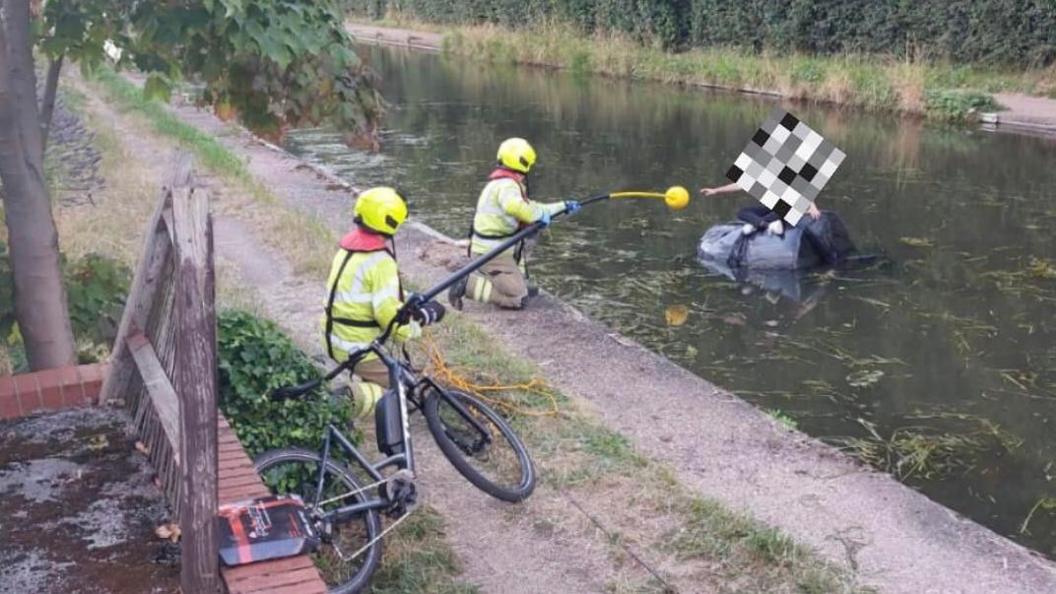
(96, 287)
(957, 105)
(256, 357)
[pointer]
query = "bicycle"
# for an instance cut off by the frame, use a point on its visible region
(345, 516)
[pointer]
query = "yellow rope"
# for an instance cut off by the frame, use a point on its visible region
(454, 378)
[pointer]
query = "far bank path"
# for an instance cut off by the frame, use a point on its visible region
(1023, 113)
(893, 538)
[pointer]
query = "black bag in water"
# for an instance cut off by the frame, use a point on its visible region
(807, 245)
(387, 423)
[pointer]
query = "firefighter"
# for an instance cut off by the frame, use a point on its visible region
(504, 208)
(364, 294)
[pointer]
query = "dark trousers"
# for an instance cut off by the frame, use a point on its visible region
(757, 215)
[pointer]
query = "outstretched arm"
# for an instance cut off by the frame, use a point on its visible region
(813, 211)
(727, 189)
(526, 211)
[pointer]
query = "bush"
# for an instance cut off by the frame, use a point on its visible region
(958, 105)
(96, 288)
(1020, 32)
(256, 357)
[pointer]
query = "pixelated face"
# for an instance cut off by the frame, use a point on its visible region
(785, 165)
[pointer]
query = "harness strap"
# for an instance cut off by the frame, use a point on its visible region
(330, 304)
(331, 319)
(355, 323)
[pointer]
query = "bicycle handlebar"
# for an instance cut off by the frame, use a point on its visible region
(288, 392)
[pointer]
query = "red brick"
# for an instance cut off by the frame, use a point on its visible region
(9, 408)
(28, 392)
(91, 380)
(50, 381)
(72, 391)
(92, 372)
(7, 386)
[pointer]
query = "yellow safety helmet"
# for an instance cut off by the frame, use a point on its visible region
(381, 209)
(516, 154)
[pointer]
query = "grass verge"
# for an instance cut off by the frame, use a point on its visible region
(294, 234)
(639, 508)
(585, 461)
(941, 91)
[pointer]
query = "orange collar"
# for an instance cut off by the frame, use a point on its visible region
(503, 173)
(362, 240)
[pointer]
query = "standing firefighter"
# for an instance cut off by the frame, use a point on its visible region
(364, 294)
(502, 210)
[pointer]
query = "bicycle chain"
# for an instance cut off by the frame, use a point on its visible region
(407, 507)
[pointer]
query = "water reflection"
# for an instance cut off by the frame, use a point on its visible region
(949, 353)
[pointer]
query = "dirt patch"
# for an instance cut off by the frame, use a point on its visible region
(78, 508)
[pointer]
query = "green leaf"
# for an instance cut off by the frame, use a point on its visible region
(157, 87)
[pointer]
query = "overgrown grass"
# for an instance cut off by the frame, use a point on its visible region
(781, 417)
(575, 454)
(210, 153)
(296, 235)
(418, 559)
(941, 91)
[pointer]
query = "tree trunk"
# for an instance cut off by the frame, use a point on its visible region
(47, 104)
(40, 298)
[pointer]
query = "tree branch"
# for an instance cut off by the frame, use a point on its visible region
(47, 105)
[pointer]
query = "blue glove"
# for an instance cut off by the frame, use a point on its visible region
(545, 219)
(572, 207)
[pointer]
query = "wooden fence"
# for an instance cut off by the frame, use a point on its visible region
(163, 367)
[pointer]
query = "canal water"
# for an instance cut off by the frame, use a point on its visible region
(937, 363)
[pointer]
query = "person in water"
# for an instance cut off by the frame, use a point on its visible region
(758, 216)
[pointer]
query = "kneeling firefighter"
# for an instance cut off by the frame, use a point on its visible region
(503, 208)
(364, 294)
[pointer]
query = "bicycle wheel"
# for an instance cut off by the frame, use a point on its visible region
(295, 471)
(494, 460)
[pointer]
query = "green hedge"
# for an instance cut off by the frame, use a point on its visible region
(1020, 32)
(256, 357)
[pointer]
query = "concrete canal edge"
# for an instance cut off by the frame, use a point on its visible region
(893, 537)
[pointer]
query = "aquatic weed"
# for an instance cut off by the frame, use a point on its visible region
(924, 452)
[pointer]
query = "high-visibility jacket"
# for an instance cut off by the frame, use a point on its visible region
(503, 208)
(363, 296)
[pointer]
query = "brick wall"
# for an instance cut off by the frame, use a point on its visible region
(51, 389)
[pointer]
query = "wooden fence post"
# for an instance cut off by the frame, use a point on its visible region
(196, 384)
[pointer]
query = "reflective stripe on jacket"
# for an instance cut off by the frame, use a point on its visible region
(503, 208)
(363, 296)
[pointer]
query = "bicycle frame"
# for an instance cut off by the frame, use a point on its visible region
(406, 391)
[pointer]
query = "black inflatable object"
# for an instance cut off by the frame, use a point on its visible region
(790, 284)
(812, 243)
